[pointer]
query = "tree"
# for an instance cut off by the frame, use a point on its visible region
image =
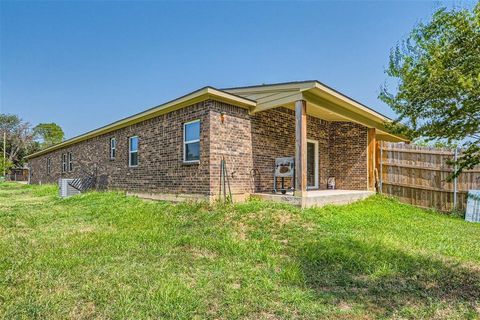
(436, 144)
(20, 138)
(49, 134)
(5, 166)
(437, 73)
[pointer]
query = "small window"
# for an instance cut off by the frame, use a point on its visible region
(191, 141)
(64, 162)
(70, 162)
(113, 148)
(133, 152)
(49, 166)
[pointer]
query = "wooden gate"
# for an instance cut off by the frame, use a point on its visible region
(418, 175)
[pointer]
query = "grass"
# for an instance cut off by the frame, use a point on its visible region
(108, 256)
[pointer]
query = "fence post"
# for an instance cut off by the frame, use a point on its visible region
(455, 182)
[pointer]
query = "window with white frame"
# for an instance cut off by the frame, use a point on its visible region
(70, 162)
(113, 148)
(64, 162)
(49, 166)
(133, 151)
(191, 141)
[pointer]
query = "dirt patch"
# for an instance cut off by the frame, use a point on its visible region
(202, 253)
(241, 231)
(83, 310)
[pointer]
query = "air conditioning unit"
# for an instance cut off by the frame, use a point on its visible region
(473, 206)
(65, 190)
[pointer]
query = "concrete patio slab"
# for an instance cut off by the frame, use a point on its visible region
(317, 198)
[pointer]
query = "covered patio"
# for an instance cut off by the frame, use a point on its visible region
(328, 135)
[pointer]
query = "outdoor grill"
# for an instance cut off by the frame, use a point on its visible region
(284, 168)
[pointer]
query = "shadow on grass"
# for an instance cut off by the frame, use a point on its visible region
(386, 281)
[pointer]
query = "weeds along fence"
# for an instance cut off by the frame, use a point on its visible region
(418, 175)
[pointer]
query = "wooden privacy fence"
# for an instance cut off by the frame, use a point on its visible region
(418, 175)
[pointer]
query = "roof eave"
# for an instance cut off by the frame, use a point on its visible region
(202, 94)
(353, 102)
(274, 86)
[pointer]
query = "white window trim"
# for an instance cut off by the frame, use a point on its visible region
(69, 162)
(113, 149)
(130, 151)
(185, 142)
(64, 162)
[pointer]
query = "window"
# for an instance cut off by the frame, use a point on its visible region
(64, 162)
(133, 152)
(49, 166)
(113, 147)
(191, 141)
(70, 162)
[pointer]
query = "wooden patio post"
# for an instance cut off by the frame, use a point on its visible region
(371, 160)
(300, 147)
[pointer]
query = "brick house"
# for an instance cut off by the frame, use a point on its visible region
(174, 150)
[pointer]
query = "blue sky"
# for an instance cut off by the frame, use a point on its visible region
(86, 64)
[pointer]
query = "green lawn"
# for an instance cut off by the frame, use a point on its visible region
(107, 256)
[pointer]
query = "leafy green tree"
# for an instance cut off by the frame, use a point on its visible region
(437, 75)
(49, 134)
(19, 135)
(5, 165)
(436, 144)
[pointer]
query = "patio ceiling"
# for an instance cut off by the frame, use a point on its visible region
(322, 102)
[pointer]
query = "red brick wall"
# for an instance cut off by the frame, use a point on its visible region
(249, 143)
(273, 136)
(231, 139)
(342, 148)
(161, 168)
(348, 154)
